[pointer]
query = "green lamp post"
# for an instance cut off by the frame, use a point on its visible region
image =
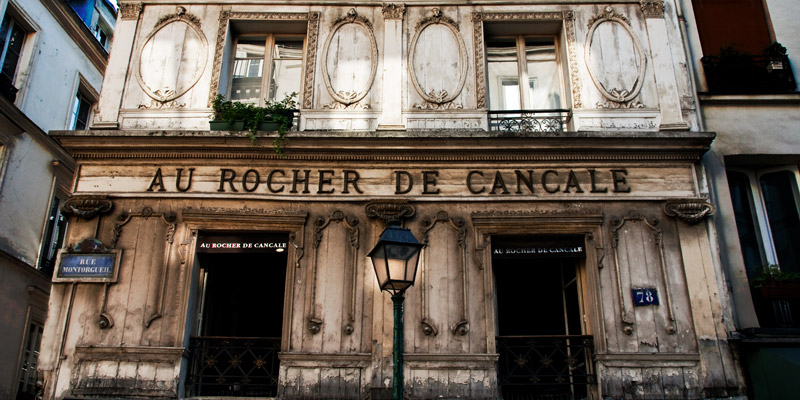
(395, 259)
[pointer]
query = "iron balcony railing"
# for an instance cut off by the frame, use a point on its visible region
(233, 366)
(529, 121)
(545, 367)
(742, 73)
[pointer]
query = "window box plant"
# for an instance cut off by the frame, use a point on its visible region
(772, 283)
(272, 117)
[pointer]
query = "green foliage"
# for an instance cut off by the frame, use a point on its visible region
(772, 273)
(774, 49)
(281, 112)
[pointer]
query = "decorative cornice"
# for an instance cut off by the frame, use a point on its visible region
(652, 8)
(128, 11)
(690, 211)
(87, 206)
(393, 11)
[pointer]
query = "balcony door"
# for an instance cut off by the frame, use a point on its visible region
(539, 318)
(240, 320)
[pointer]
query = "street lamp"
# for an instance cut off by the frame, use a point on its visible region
(395, 259)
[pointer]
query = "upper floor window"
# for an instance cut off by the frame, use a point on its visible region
(12, 36)
(79, 117)
(277, 57)
(523, 73)
(53, 237)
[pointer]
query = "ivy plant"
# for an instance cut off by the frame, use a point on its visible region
(252, 116)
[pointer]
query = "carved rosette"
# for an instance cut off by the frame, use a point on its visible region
(652, 8)
(87, 206)
(390, 211)
(129, 11)
(690, 211)
(393, 11)
(619, 97)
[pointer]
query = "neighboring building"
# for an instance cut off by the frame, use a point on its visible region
(548, 155)
(748, 96)
(52, 69)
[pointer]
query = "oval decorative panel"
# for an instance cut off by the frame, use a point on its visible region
(350, 59)
(437, 59)
(614, 57)
(173, 58)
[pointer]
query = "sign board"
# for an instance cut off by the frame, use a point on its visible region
(537, 247)
(87, 267)
(645, 296)
(261, 243)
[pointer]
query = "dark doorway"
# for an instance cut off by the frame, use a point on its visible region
(243, 278)
(544, 353)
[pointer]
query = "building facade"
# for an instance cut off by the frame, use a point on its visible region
(547, 155)
(748, 95)
(52, 69)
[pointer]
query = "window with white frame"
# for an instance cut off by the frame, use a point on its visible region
(53, 237)
(279, 58)
(523, 73)
(765, 203)
(79, 115)
(12, 38)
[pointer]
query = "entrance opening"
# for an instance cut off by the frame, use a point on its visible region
(541, 335)
(240, 318)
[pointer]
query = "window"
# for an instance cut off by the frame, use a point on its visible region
(26, 388)
(278, 57)
(539, 72)
(53, 237)
(12, 36)
(765, 204)
(79, 116)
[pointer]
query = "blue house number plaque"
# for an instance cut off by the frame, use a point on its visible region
(645, 296)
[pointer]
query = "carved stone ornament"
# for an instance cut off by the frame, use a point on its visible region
(653, 8)
(311, 46)
(390, 211)
(393, 11)
(438, 95)
(568, 18)
(128, 11)
(690, 211)
(623, 96)
(87, 206)
(350, 96)
(167, 95)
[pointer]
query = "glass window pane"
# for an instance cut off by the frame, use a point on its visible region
(12, 50)
(288, 48)
(742, 200)
(540, 55)
(503, 74)
(248, 67)
(779, 200)
(285, 79)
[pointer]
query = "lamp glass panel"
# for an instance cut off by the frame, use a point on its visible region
(397, 269)
(379, 263)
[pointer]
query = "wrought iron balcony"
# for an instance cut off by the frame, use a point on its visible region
(748, 74)
(233, 366)
(545, 367)
(529, 121)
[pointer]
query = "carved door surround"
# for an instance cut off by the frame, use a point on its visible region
(570, 220)
(309, 59)
(292, 222)
(349, 98)
(567, 18)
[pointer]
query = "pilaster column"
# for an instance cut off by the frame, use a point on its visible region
(668, 97)
(107, 115)
(392, 104)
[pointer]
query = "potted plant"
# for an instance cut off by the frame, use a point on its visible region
(772, 283)
(273, 116)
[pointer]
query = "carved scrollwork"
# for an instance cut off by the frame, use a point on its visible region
(390, 211)
(458, 224)
(652, 8)
(428, 327)
(393, 11)
(351, 224)
(128, 11)
(617, 95)
(87, 206)
(690, 211)
(355, 95)
(105, 321)
(438, 96)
